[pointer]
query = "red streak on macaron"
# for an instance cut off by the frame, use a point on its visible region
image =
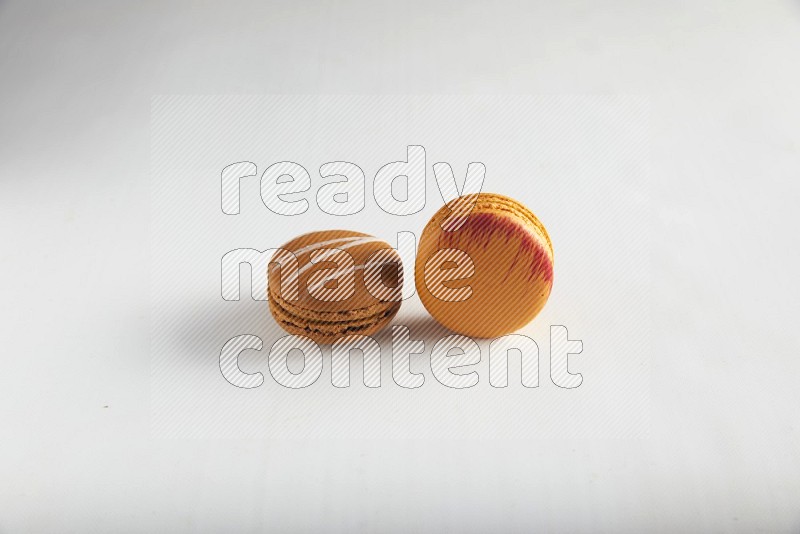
(483, 228)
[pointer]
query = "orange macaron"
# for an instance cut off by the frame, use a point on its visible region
(484, 265)
(334, 283)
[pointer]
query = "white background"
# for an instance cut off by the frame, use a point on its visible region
(76, 451)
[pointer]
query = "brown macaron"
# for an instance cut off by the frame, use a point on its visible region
(334, 283)
(484, 265)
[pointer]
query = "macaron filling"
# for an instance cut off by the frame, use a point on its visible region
(330, 324)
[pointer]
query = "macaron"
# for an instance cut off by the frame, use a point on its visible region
(484, 265)
(329, 284)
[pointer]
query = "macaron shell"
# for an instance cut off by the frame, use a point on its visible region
(360, 247)
(513, 266)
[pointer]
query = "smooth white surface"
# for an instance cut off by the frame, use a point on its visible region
(74, 164)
